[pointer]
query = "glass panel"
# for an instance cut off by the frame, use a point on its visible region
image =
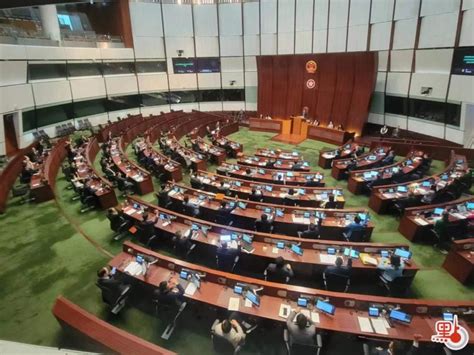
(435, 111)
(210, 95)
(113, 68)
(208, 65)
(89, 108)
(46, 71)
(151, 67)
(83, 69)
(50, 115)
(377, 102)
(182, 97)
(396, 105)
(29, 120)
(233, 95)
(155, 99)
(123, 102)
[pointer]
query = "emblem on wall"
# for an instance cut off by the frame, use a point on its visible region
(311, 66)
(310, 84)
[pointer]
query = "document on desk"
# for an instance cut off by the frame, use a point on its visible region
(327, 259)
(190, 289)
(129, 210)
(364, 325)
(379, 326)
(275, 250)
(134, 269)
(421, 221)
(458, 215)
(234, 303)
(315, 317)
(248, 303)
(285, 311)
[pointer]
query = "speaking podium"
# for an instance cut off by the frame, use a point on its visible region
(293, 130)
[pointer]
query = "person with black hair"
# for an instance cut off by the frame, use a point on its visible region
(392, 269)
(330, 203)
(303, 331)
(255, 195)
(263, 224)
(354, 227)
(182, 243)
(339, 269)
(311, 233)
(280, 270)
(169, 292)
(395, 347)
(231, 330)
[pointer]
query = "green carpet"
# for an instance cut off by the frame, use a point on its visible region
(43, 255)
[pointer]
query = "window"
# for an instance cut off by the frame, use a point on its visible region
(114, 68)
(155, 99)
(435, 111)
(29, 120)
(46, 71)
(396, 105)
(233, 95)
(210, 95)
(117, 103)
(151, 67)
(89, 108)
(83, 69)
(377, 102)
(54, 114)
(208, 65)
(65, 21)
(182, 97)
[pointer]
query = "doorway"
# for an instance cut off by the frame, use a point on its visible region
(11, 144)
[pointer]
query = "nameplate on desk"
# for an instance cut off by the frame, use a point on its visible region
(297, 219)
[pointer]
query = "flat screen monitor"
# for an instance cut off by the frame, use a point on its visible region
(402, 189)
(331, 251)
(448, 316)
(238, 289)
(183, 274)
(426, 184)
(470, 205)
(302, 302)
(184, 65)
(247, 238)
(267, 210)
(400, 316)
(325, 307)
(226, 238)
(242, 205)
(463, 61)
(296, 249)
(208, 65)
(374, 312)
(438, 211)
(252, 297)
(402, 253)
(280, 245)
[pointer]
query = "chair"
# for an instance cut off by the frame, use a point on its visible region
(302, 348)
(227, 262)
(335, 282)
(125, 187)
(357, 236)
(275, 277)
(169, 307)
(116, 300)
(289, 201)
(24, 192)
(119, 226)
(398, 287)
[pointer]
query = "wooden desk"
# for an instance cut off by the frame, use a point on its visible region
(460, 261)
(278, 154)
(273, 125)
(290, 223)
(415, 226)
(261, 162)
(271, 176)
(118, 127)
(383, 175)
(313, 260)
(365, 161)
(383, 197)
(217, 288)
(329, 135)
(110, 338)
(313, 197)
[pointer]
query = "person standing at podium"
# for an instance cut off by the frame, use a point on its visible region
(305, 112)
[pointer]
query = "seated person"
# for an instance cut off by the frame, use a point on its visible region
(255, 195)
(163, 197)
(279, 270)
(314, 182)
(389, 159)
(303, 331)
(231, 330)
(299, 165)
(394, 348)
(339, 269)
(111, 285)
(190, 208)
(195, 181)
(223, 213)
(223, 189)
(330, 124)
(226, 254)
(182, 244)
(351, 165)
(429, 196)
(117, 220)
(441, 229)
(147, 226)
(270, 163)
(392, 269)
(291, 197)
(263, 224)
(311, 233)
(354, 227)
(169, 292)
(331, 203)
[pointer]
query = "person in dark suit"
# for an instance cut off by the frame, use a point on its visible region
(394, 348)
(279, 270)
(182, 244)
(147, 226)
(270, 163)
(111, 284)
(339, 269)
(311, 233)
(163, 197)
(354, 226)
(195, 182)
(255, 195)
(226, 255)
(223, 189)
(169, 292)
(189, 207)
(223, 213)
(330, 203)
(263, 224)
(389, 159)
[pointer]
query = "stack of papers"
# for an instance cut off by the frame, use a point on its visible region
(368, 260)
(327, 259)
(379, 326)
(190, 289)
(421, 221)
(134, 269)
(365, 325)
(234, 303)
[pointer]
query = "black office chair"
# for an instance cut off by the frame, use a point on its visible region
(398, 287)
(88, 201)
(296, 348)
(336, 283)
(275, 277)
(227, 262)
(115, 298)
(263, 227)
(162, 307)
(119, 225)
(126, 187)
(357, 236)
(289, 201)
(223, 219)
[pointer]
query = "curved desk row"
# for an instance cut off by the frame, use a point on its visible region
(460, 261)
(217, 291)
(272, 163)
(270, 193)
(365, 161)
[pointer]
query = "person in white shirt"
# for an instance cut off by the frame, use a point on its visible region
(330, 124)
(231, 330)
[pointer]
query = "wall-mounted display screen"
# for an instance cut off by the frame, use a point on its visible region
(184, 65)
(208, 65)
(463, 61)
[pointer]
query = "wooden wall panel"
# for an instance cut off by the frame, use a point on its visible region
(344, 85)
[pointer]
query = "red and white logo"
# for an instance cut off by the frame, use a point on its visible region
(310, 84)
(454, 336)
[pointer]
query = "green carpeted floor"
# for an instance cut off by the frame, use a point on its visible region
(44, 252)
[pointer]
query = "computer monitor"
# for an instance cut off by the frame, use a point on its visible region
(372, 157)
(363, 216)
(302, 302)
(238, 289)
(367, 175)
(374, 312)
(280, 245)
(279, 212)
(325, 307)
(400, 316)
(267, 210)
(444, 177)
(384, 253)
(183, 274)
(238, 183)
(296, 249)
(232, 204)
(448, 316)
(242, 205)
(136, 206)
(261, 171)
(331, 251)
(306, 214)
(194, 227)
(247, 238)
(438, 211)
(354, 254)
(402, 189)
(268, 188)
(202, 197)
(234, 236)
(163, 216)
(225, 238)
(402, 253)
(301, 191)
(252, 297)
(426, 184)
(470, 205)
(289, 174)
